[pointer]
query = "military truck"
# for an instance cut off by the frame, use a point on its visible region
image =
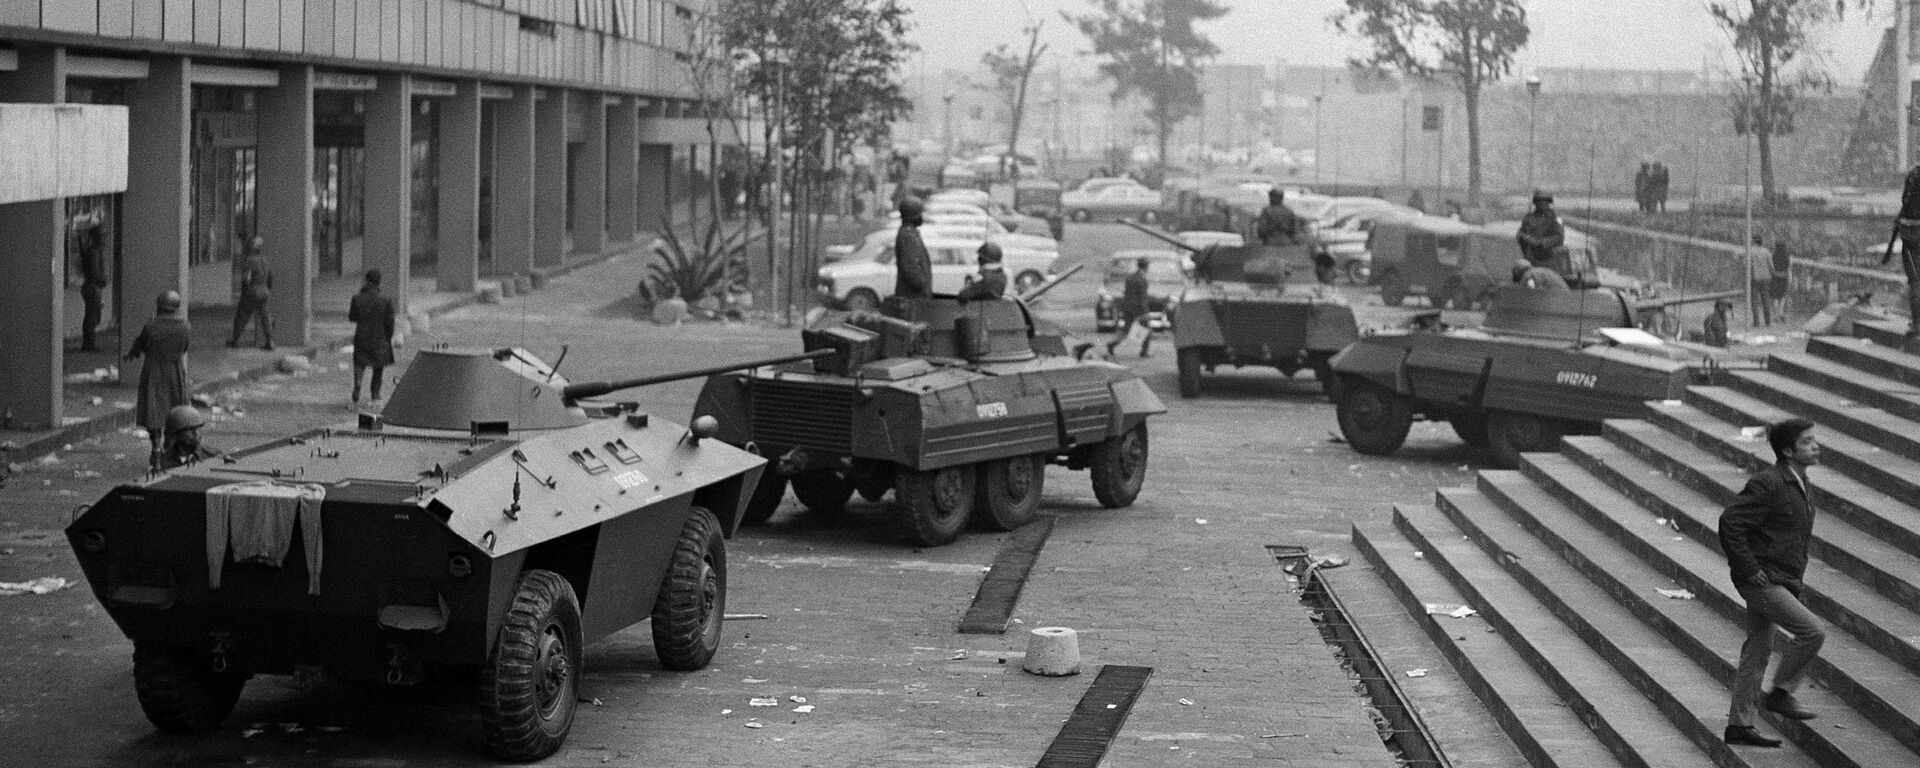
(1256, 305)
(955, 408)
(1543, 364)
(494, 517)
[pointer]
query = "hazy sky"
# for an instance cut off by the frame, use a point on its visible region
(1660, 34)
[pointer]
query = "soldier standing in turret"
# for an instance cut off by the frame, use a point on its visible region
(1540, 231)
(1278, 224)
(1907, 228)
(913, 266)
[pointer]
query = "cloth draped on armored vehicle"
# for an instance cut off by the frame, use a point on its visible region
(1540, 235)
(913, 266)
(254, 522)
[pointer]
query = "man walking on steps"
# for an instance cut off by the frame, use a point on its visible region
(1764, 534)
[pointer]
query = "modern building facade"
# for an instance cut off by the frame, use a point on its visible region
(459, 138)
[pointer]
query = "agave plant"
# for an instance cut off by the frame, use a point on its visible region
(693, 268)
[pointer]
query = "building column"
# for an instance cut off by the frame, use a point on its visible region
(388, 198)
(285, 189)
(656, 166)
(459, 215)
(513, 153)
(33, 338)
(590, 178)
(154, 210)
(550, 179)
(623, 175)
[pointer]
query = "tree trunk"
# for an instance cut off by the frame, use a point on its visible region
(1472, 94)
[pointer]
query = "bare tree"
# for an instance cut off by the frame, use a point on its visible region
(1471, 42)
(1011, 73)
(1770, 39)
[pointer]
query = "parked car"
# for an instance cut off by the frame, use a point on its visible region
(864, 278)
(1166, 277)
(1010, 220)
(1112, 201)
(1345, 240)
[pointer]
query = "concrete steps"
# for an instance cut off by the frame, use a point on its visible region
(1565, 556)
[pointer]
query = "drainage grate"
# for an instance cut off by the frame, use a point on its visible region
(1400, 725)
(1084, 737)
(1000, 588)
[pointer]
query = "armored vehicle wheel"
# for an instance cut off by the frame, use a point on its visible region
(1472, 428)
(934, 505)
(692, 603)
(1189, 360)
(766, 498)
(179, 690)
(1393, 288)
(1009, 492)
(1509, 434)
(1119, 468)
(823, 493)
(863, 299)
(1374, 419)
(527, 690)
(1356, 271)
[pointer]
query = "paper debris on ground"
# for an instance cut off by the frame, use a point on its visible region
(1420, 672)
(797, 699)
(764, 701)
(740, 616)
(1186, 702)
(754, 725)
(753, 680)
(1200, 520)
(1676, 594)
(1750, 434)
(1450, 609)
(957, 655)
(804, 709)
(39, 586)
(1330, 561)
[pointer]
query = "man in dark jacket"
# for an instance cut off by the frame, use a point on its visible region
(913, 267)
(992, 280)
(1907, 227)
(1133, 308)
(256, 286)
(1764, 534)
(1540, 231)
(372, 316)
(1715, 329)
(93, 275)
(1278, 224)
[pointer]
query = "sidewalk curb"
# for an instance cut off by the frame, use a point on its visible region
(100, 425)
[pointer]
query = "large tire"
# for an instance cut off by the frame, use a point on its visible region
(874, 482)
(528, 688)
(934, 505)
(824, 493)
(1393, 288)
(1119, 468)
(1008, 494)
(766, 497)
(863, 299)
(692, 603)
(179, 690)
(1472, 428)
(1510, 434)
(1373, 419)
(1189, 363)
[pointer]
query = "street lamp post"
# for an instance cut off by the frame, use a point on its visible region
(1747, 192)
(1533, 104)
(946, 139)
(1318, 156)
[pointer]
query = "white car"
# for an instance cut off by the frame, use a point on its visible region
(866, 277)
(985, 226)
(1111, 201)
(977, 197)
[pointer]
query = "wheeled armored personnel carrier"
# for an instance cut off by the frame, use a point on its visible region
(1544, 363)
(1257, 305)
(956, 408)
(492, 518)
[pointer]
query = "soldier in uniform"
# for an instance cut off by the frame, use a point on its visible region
(1539, 277)
(1907, 228)
(93, 275)
(991, 283)
(163, 379)
(1540, 231)
(183, 446)
(913, 266)
(256, 286)
(1278, 224)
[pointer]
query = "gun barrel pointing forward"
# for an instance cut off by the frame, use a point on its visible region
(597, 388)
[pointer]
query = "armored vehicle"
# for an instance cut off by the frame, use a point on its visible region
(1544, 363)
(1257, 305)
(492, 518)
(956, 408)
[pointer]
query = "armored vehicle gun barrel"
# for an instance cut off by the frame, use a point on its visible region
(597, 388)
(1163, 237)
(1038, 290)
(1695, 298)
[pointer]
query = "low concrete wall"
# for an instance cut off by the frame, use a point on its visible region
(61, 150)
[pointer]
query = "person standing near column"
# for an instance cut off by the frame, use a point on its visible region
(372, 316)
(1764, 534)
(256, 287)
(163, 377)
(93, 275)
(1760, 281)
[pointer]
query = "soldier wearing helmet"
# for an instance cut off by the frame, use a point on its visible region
(913, 266)
(163, 377)
(183, 445)
(1540, 231)
(991, 283)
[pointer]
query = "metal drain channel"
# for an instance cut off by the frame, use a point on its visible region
(1000, 589)
(1083, 739)
(1406, 733)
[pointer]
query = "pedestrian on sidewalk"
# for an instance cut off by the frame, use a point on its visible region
(91, 245)
(256, 287)
(163, 377)
(1764, 534)
(1760, 282)
(372, 315)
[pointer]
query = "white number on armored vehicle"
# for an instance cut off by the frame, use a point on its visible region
(1576, 379)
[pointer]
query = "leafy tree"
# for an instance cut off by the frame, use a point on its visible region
(1769, 37)
(1471, 42)
(1011, 72)
(1153, 50)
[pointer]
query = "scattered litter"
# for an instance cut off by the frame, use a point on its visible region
(797, 699)
(764, 701)
(1200, 520)
(597, 703)
(1750, 434)
(1450, 609)
(1420, 672)
(96, 400)
(251, 732)
(804, 709)
(957, 655)
(744, 616)
(1113, 706)
(85, 474)
(1186, 702)
(39, 586)
(1330, 561)
(753, 725)
(726, 711)
(291, 727)
(1419, 555)
(48, 460)
(1676, 594)
(753, 680)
